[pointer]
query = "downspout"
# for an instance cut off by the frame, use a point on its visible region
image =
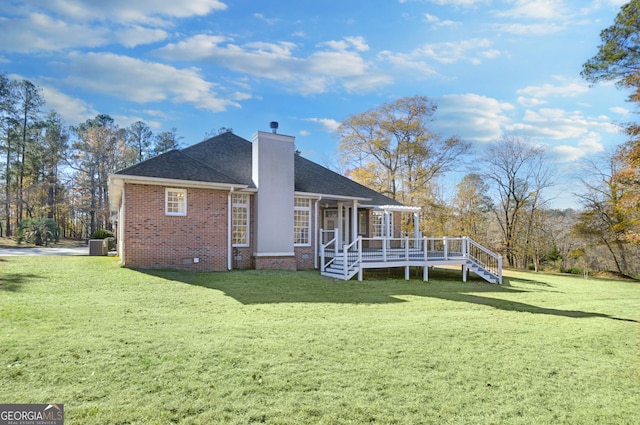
(121, 228)
(229, 223)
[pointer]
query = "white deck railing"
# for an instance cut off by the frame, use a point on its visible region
(394, 250)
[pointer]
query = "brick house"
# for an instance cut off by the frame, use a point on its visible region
(228, 203)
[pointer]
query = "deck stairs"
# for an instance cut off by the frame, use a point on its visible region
(336, 270)
(482, 272)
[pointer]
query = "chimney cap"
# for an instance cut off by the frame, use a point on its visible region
(274, 126)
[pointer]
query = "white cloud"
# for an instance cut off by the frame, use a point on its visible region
(137, 35)
(558, 124)
(537, 95)
(620, 110)
(472, 117)
(358, 43)
(529, 29)
(54, 25)
(139, 81)
(71, 109)
(460, 3)
(590, 144)
(340, 64)
(535, 9)
(452, 52)
(328, 124)
(139, 11)
(404, 61)
(41, 32)
(438, 23)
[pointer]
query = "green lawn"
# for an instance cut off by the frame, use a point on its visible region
(118, 346)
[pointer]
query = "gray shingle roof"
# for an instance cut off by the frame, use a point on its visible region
(226, 158)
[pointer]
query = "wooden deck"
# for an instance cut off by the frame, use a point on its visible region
(369, 253)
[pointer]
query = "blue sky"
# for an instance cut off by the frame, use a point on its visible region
(492, 67)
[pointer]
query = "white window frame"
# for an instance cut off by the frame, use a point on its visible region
(378, 227)
(247, 210)
(182, 206)
(302, 208)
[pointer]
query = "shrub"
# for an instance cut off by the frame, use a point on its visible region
(39, 231)
(101, 234)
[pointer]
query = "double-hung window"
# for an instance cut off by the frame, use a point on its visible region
(175, 202)
(302, 221)
(240, 220)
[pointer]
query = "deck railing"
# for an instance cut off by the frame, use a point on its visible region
(406, 249)
(389, 250)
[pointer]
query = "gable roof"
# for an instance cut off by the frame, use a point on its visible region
(226, 158)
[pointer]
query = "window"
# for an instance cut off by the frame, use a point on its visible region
(301, 221)
(363, 219)
(378, 225)
(240, 219)
(175, 201)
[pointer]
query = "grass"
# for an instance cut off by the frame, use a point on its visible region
(119, 346)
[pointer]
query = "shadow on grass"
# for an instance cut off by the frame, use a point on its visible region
(13, 282)
(270, 287)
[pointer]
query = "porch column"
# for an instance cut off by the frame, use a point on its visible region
(340, 229)
(416, 225)
(354, 221)
(346, 233)
(387, 224)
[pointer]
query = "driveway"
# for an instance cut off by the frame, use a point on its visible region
(12, 252)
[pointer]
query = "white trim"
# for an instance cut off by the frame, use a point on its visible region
(247, 206)
(229, 244)
(395, 208)
(183, 203)
(308, 224)
(327, 196)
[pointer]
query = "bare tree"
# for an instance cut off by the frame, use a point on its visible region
(518, 172)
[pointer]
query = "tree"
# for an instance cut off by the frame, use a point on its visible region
(618, 59)
(55, 146)
(7, 123)
(166, 141)
(471, 206)
(393, 140)
(139, 139)
(602, 221)
(29, 102)
(518, 172)
(100, 149)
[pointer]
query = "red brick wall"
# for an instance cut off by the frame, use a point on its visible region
(154, 240)
(304, 257)
(275, 263)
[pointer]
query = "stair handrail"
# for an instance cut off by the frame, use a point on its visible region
(491, 261)
(323, 248)
(348, 266)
